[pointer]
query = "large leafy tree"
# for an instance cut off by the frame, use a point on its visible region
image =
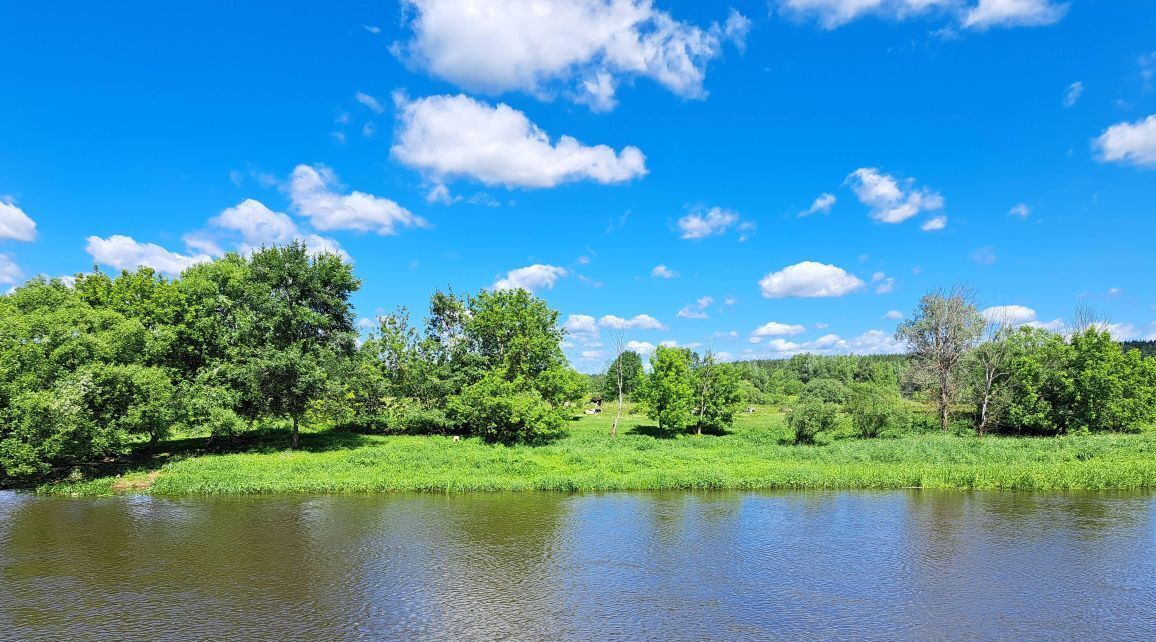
(717, 394)
(668, 393)
(301, 331)
(76, 381)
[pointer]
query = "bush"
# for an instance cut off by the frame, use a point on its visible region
(874, 408)
(400, 417)
(810, 418)
(505, 412)
(827, 391)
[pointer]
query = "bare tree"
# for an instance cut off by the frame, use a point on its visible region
(1085, 317)
(993, 358)
(618, 339)
(945, 328)
(705, 380)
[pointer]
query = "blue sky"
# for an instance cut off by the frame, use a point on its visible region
(575, 146)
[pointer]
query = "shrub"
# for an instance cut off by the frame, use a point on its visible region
(505, 412)
(810, 418)
(874, 408)
(400, 416)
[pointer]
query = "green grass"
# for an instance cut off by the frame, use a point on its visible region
(756, 454)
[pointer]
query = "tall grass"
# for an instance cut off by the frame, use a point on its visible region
(756, 454)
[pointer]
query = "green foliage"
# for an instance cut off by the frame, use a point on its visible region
(718, 395)
(830, 391)
(632, 376)
(1087, 383)
(1113, 390)
(506, 411)
(76, 382)
(774, 382)
(811, 417)
(301, 332)
(874, 408)
(504, 343)
(668, 392)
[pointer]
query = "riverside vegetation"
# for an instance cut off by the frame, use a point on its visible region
(247, 375)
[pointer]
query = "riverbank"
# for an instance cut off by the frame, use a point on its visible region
(755, 454)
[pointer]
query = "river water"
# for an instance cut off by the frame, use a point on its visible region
(912, 565)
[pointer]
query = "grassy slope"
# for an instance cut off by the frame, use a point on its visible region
(756, 454)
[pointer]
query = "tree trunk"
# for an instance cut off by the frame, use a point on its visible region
(944, 400)
(989, 383)
(296, 434)
(617, 417)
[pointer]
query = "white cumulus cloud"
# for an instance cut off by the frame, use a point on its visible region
(776, 329)
(1009, 314)
(641, 347)
(933, 224)
(532, 277)
(638, 322)
(126, 253)
(892, 200)
(581, 324)
(809, 279)
(713, 222)
(1014, 13)
(663, 272)
(313, 191)
(15, 224)
(259, 226)
(582, 49)
(1129, 143)
(447, 137)
(696, 310)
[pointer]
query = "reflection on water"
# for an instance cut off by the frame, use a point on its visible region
(671, 566)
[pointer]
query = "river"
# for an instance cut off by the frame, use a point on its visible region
(911, 565)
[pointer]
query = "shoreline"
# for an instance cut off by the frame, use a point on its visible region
(754, 456)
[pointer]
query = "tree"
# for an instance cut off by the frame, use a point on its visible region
(718, 394)
(1039, 386)
(75, 381)
(301, 333)
(623, 376)
(1113, 390)
(990, 369)
(668, 393)
(945, 327)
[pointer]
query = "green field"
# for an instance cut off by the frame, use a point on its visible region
(757, 453)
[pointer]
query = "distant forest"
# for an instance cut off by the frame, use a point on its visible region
(1146, 348)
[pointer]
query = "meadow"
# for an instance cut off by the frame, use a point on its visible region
(757, 453)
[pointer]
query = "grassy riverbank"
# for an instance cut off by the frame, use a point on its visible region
(755, 454)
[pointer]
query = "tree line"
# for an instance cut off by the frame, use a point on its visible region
(90, 370)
